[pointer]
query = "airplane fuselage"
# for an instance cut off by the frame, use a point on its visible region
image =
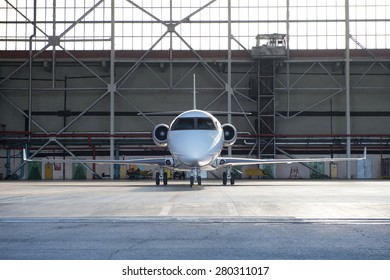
(195, 139)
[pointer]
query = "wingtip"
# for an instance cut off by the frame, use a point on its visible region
(365, 153)
(24, 155)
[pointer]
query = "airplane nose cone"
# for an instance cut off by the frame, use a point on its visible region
(197, 149)
(195, 160)
(194, 154)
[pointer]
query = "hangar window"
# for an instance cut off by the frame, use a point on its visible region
(196, 24)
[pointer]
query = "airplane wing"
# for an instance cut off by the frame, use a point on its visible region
(160, 161)
(226, 161)
(141, 161)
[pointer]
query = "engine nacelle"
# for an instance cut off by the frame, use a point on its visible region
(229, 135)
(160, 135)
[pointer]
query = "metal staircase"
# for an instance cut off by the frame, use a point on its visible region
(269, 49)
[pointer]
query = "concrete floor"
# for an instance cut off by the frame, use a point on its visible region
(250, 220)
(264, 199)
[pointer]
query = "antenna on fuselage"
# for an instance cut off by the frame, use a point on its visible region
(194, 93)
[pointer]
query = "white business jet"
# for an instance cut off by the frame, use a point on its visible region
(195, 139)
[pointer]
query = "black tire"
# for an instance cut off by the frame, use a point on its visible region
(157, 178)
(165, 179)
(191, 181)
(232, 180)
(199, 180)
(224, 178)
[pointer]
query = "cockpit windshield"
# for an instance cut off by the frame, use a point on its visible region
(193, 123)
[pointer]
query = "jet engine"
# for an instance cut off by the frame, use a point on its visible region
(160, 134)
(229, 134)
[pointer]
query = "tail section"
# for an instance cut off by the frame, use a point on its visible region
(194, 93)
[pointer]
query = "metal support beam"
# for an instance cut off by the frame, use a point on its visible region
(80, 19)
(347, 88)
(229, 81)
(23, 163)
(30, 71)
(112, 89)
(23, 113)
(83, 113)
(214, 74)
(73, 156)
(83, 64)
(148, 13)
(187, 18)
(127, 75)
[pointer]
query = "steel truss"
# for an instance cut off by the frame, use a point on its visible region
(116, 88)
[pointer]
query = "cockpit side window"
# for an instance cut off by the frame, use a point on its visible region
(183, 124)
(193, 123)
(205, 123)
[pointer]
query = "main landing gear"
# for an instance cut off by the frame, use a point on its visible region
(161, 175)
(195, 178)
(228, 176)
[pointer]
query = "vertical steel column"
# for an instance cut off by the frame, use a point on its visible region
(288, 56)
(258, 82)
(347, 88)
(229, 82)
(170, 46)
(112, 90)
(30, 71)
(54, 44)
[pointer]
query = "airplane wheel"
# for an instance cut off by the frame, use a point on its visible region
(191, 181)
(224, 178)
(199, 180)
(165, 178)
(232, 180)
(158, 178)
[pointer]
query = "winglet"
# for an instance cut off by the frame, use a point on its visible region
(24, 155)
(365, 153)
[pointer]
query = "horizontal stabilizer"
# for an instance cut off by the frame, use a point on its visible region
(166, 113)
(225, 113)
(175, 113)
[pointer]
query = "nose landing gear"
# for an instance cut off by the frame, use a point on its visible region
(195, 177)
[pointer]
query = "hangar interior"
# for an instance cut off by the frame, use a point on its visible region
(76, 78)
